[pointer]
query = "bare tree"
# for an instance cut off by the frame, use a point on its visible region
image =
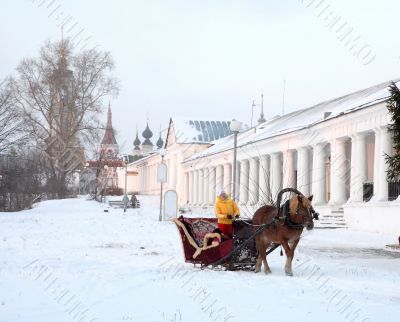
(11, 125)
(60, 95)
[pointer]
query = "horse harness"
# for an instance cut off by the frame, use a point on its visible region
(284, 214)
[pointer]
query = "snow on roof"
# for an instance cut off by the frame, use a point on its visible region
(304, 118)
(189, 130)
(139, 161)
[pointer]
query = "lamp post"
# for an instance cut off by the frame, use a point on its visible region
(106, 183)
(161, 177)
(79, 181)
(126, 200)
(235, 127)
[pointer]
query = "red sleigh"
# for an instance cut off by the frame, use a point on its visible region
(195, 232)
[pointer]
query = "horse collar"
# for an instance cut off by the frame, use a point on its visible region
(286, 216)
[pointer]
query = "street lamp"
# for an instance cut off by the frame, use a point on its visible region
(79, 181)
(161, 177)
(235, 127)
(103, 190)
(125, 160)
(126, 200)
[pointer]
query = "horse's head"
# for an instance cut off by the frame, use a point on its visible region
(301, 211)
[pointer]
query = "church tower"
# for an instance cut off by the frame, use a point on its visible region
(136, 143)
(63, 105)
(147, 145)
(109, 152)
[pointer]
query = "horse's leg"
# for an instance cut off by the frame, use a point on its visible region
(293, 246)
(259, 241)
(267, 270)
(289, 257)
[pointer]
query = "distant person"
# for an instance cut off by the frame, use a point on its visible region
(226, 210)
(134, 201)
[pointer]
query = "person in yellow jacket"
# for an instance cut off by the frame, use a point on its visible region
(226, 210)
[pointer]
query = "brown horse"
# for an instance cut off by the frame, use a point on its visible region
(286, 230)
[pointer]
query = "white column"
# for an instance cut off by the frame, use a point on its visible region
(319, 174)
(206, 186)
(254, 172)
(244, 181)
(201, 187)
(288, 169)
(353, 169)
(185, 197)
(238, 176)
(212, 192)
(304, 171)
(219, 178)
(196, 187)
(377, 159)
(191, 184)
(338, 172)
(385, 149)
(359, 166)
(276, 174)
(227, 178)
(263, 181)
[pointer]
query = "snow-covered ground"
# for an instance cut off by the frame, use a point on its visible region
(69, 260)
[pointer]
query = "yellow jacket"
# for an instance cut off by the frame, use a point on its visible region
(224, 208)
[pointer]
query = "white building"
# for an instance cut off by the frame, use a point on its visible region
(334, 150)
(185, 138)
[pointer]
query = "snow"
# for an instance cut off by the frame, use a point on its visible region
(112, 266)
(304, 118)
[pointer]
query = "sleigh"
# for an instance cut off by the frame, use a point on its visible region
(240, 252)
(194, 232)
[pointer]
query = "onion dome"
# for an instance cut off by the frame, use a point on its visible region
(147, 134)
(137, 142)
(160, 142)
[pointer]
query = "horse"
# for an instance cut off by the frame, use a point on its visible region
(285, 228)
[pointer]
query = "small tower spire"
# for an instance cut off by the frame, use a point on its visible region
(62, 59)
(109, 137)
(262, 119)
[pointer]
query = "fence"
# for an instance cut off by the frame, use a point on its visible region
(394, 190)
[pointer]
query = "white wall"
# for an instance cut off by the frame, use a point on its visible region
(378, 217)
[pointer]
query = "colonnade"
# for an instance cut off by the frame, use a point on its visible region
(333, 171)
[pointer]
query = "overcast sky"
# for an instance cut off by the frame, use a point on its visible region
(211, 58)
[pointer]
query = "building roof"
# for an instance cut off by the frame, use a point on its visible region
(189, 130)
(109, 137)
(305, 118)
